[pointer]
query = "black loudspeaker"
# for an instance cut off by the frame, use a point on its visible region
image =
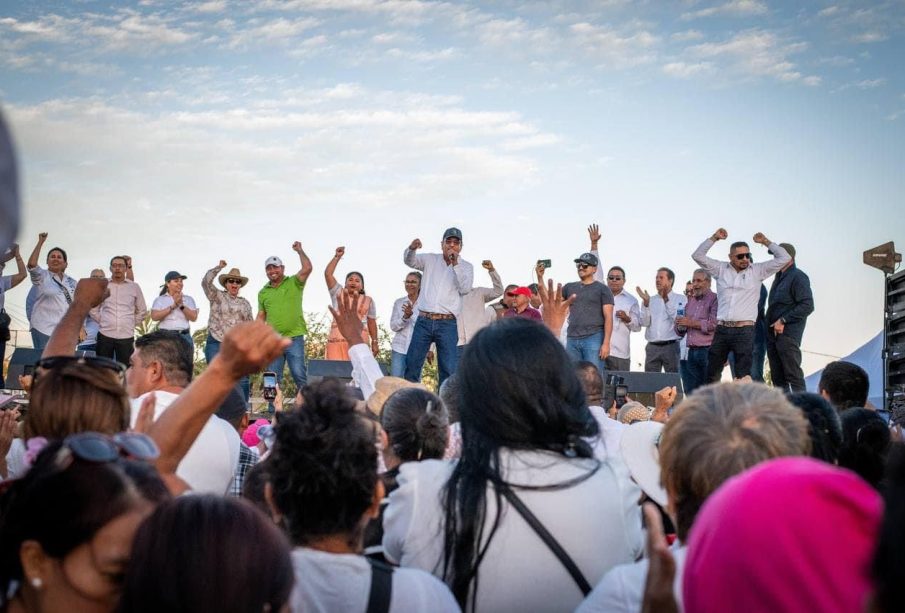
(20, 358)
(643, 385)
(338, 369)
(894, 346)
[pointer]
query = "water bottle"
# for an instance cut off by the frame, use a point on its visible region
(680, 312)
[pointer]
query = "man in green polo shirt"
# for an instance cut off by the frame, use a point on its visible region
(280, 305)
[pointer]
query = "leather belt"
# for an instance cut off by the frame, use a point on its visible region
(435, 316)
(661, 343)
(734, 324)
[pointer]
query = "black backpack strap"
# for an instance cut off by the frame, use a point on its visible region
(546, 537)
(381, 587)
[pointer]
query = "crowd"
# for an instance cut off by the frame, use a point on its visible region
(131, 484)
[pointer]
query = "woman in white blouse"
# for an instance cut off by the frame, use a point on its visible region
(524, 421)
(173, 309)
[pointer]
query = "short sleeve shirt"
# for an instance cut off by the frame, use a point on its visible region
(586, 313)
(176, 320)
(283, 306)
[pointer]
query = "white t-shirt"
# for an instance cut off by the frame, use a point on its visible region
(622, 589)
(328, 582)
(597, 521)
(176, 320)
(211, 461)
(611, 430)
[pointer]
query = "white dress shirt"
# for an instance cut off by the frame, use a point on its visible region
(442, 286)
(620, 341)
(401, 326)
(660, 317)
(739, 292)
(475, 314)
(50, 299)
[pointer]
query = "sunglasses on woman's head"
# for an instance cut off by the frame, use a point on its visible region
(59, 361)
(101, 449)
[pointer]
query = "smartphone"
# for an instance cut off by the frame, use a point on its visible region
(28, 370)
(621, 393)
(546, 263)
(270, 385)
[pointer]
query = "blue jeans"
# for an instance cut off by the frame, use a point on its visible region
(295, 357)
(397, 366)
(587, 349)
(695, 374)
(212, 348)
(445, 334)
(39, 339)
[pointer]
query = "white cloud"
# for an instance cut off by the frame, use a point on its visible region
(212, 6)
(738, 8)
(613, 48)
(870, 83)
(279, 30)
(755, 53)
(687, 35)
(425, 56)
(684, 70)
(871, 36)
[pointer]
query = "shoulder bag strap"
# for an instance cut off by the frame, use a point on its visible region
(547, 538)
(64, 288)
(381, 587)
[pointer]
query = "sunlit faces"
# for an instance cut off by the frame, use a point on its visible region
(118, 269)
(663, 282)
(700, 283)
(56, 261)
(615, 280)
(233, 286)
(274, 272)
(740, 257)
(451, 245)
(412, 284)
(585, 270)
(354, 283)
(174, 286)
(139, 375)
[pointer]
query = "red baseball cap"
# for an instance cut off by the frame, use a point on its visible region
(519, 291)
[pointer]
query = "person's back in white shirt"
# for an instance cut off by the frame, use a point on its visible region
(211, 461)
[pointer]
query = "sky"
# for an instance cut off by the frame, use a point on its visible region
(186, 132)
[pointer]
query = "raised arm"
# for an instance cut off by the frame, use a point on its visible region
(207, 281)
(781, 257)
(464, 276)
(330, 270)
(700, 254)
(303, 274)
(36, 252)
(497, 290)
(365, 369)
(594, 236)
(411, 257)
(129, 274)
(20, 275)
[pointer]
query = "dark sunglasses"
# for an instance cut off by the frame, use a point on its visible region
(59, 361)
(742, 256)
(582, 266)
(236, 281)
(614, 278)
(101, 449)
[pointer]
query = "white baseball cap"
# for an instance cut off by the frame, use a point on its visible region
(273, 261)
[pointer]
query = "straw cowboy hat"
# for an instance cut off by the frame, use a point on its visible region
(232, 274)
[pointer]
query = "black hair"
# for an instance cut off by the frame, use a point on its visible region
(323, 466)
(526, 397)
(888, 568)
(118, 257)
(845, 383)
(865, 444)
(669, 273)
(450, 395)
(591, 380)
(360, 276)
(62, 252)
(208, 553)
(416, 424)
(738, 244)
(620, 269)
(824, 427)
(417, 273)
(173, 353)
(60, 508)
(254, 484)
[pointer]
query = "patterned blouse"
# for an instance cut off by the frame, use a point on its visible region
(226, 311)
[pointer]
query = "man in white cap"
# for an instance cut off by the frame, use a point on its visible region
(280, 305)
(446, 279)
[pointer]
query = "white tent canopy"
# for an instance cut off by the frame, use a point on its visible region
(868, 356)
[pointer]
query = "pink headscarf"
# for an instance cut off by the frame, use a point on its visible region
(789, 535)
(250, 436)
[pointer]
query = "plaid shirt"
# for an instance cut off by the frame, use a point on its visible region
(248, 457)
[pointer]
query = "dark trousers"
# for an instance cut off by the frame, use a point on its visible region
(620, 364)
(662, 357)
(119, 349)
(695, 373)
(784, 354)
(739, 341)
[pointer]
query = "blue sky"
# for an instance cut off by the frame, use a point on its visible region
(186, 132)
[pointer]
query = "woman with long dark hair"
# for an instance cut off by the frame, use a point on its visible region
(527, 518)
(337, 346)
